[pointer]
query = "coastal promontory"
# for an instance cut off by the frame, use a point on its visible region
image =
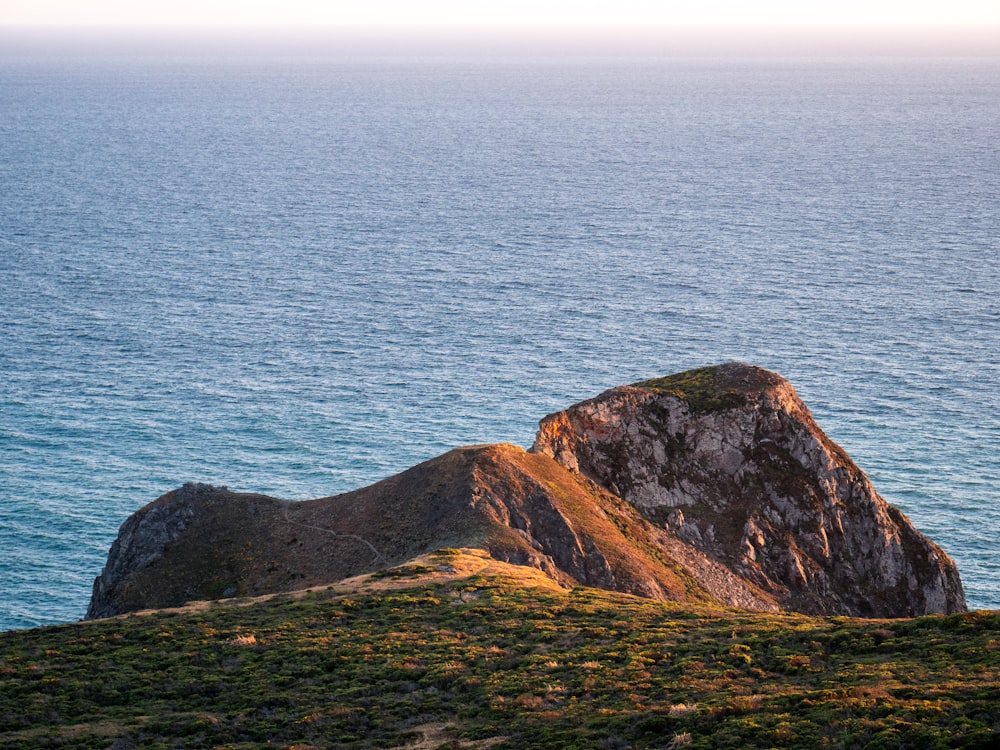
(714, 486)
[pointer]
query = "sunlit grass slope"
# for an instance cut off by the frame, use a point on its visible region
(456, 650)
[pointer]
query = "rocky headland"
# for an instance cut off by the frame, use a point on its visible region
(713, 486)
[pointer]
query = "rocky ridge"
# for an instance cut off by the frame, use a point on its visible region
(711, 486)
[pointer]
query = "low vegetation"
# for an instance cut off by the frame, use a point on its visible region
(416, 660)
(701, 389)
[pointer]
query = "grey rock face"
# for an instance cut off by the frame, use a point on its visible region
(142, 540)
(730, 461)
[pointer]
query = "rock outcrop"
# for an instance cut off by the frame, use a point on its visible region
(730, 461)
(714, 486)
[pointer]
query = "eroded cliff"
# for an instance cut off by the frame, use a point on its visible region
(730, 460)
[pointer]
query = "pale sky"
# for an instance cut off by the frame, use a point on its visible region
(508, 13)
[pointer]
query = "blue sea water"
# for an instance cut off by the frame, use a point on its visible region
(299, 278)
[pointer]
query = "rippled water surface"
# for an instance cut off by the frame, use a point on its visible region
(300, 278)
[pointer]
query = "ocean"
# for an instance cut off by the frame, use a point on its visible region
(300, 277)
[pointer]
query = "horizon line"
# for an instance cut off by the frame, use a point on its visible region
(484, 41)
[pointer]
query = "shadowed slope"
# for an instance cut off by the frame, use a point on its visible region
(202, 542)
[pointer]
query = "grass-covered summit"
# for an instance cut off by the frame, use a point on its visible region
(705, 389)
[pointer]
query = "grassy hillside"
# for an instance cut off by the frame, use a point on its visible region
(458, 651)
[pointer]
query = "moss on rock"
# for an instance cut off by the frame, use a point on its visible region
(704, 389)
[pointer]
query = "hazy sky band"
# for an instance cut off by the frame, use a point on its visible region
(493, 44)
(511, 13)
